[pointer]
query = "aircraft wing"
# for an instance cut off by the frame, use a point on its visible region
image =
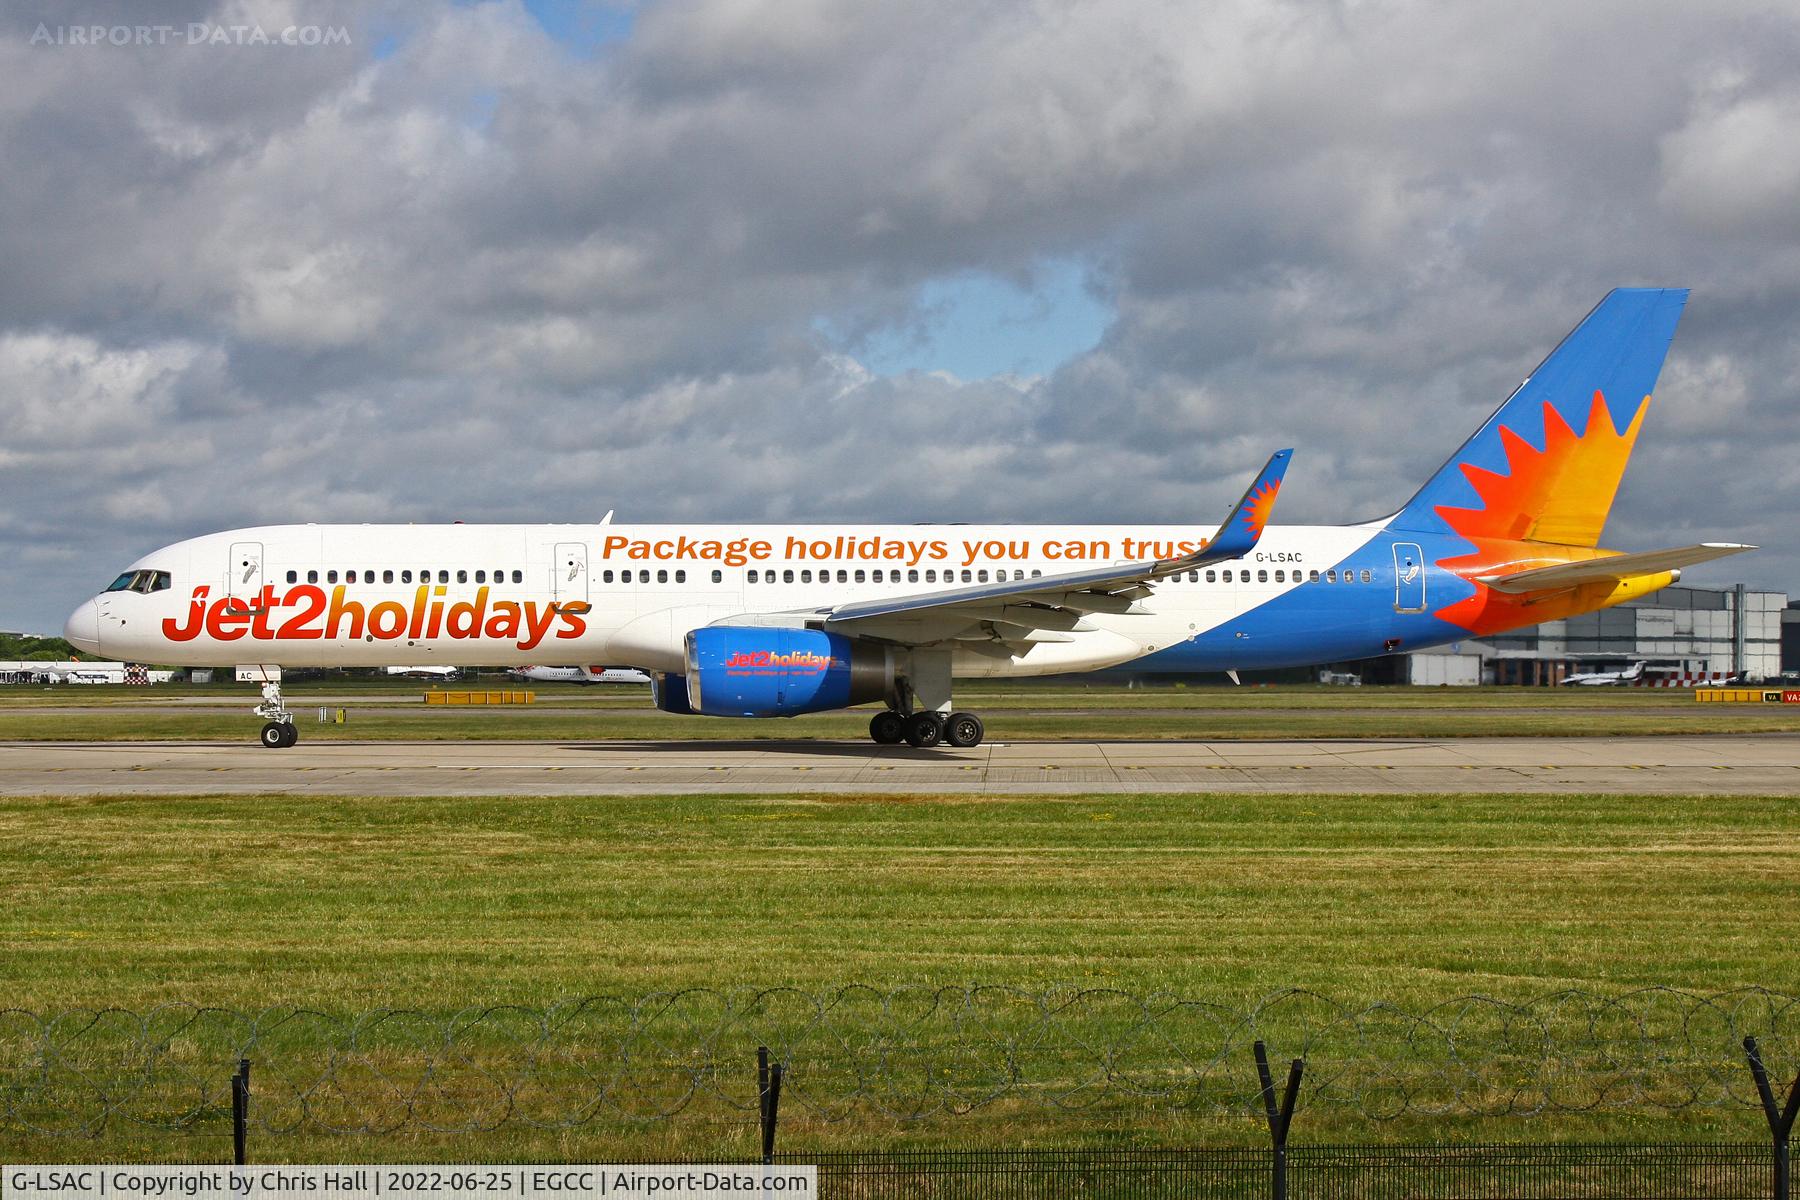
(1608, 568)
(1051, 607)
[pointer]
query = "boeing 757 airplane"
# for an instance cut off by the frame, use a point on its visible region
(740, 620)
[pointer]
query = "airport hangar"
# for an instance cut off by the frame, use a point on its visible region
(1683, 635)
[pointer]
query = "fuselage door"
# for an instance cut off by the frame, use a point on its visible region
(246, 580)
(1409, 578)
(569, 579)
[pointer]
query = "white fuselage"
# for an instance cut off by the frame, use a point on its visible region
(504, 595)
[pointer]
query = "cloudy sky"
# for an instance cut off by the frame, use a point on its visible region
(774, 259)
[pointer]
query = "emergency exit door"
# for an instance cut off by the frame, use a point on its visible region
(246, 571)
(1409, 578)
(570, 574)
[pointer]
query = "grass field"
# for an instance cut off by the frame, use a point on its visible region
(353, 903)
(1041, 713)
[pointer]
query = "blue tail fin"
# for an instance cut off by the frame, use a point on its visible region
(1547, 465)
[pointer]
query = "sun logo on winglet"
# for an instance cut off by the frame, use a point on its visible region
(1260, 507)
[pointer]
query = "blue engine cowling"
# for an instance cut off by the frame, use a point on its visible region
(670, 693)
(747, 671)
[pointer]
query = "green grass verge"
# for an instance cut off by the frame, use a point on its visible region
(443, 903)
(1046, 713)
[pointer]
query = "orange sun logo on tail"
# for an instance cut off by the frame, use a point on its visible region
(1559, 495)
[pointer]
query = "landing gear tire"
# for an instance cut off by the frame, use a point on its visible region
(293, 735)
(924, 730)
(964, 730)
(275, 735)
(887, 728)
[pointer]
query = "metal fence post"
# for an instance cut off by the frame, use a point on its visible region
(1781, 1119)
(768, 1097)
(240, 1113)
(1279, 1118)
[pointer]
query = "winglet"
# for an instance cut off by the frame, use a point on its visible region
(1239, 532)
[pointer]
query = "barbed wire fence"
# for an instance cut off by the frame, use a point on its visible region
(908, 1055)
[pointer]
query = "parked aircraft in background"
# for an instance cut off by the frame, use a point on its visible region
(764, 621)
(424, 672)
(1606, 678)
(579, 675)
(76, 671)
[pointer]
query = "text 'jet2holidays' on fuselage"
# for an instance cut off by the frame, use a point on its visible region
(738, 620)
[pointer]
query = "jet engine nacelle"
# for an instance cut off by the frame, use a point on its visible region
(748, 671)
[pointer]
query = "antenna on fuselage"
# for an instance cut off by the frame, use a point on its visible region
(607, 519)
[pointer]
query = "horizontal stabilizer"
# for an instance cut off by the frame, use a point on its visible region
(1608, 568)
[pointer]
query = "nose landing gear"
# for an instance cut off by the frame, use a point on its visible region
(279, 731)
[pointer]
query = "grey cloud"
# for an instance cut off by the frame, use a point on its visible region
(487, 279)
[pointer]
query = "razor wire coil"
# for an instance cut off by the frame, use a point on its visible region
(906, 1054)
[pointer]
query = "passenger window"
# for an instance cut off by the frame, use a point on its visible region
(331, 577)
(912, 576)
(481, 577)
(1312, 577)
(806, 577)
(1331, 575)
(1365, 577)
(1280, 576)
(1037, 574)
(718, 576)
(966, 578)
(1212, 577)
(787, 576)
(606, 576)
(681, 576)
(876, 575)
(312, 577)
(752, 575)
(1262, 577)
(349, 576)
(406, 575)
(462, 577)
(518, 576)
(860, 577)
(293, 577)
(930, 576)
(662, 575)
(982, 575)
(387, 576)
(443, 575)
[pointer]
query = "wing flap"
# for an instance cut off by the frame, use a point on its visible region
(1606, 568)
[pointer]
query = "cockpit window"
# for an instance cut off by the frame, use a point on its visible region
(144, 582)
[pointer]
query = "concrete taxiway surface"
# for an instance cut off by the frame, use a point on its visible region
(1767, 764)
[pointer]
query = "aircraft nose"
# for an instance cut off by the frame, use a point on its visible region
(82, 629)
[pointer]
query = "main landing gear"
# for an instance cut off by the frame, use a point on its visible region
(919, 708)
(923, 730)
(279, 731)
